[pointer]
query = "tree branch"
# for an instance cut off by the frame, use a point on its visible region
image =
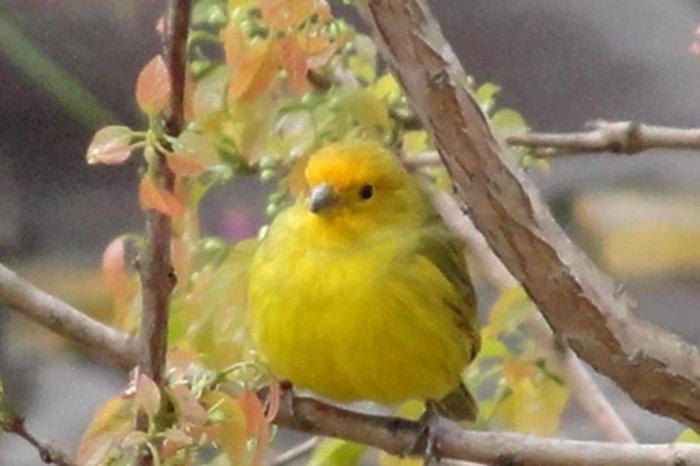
(397, 435)
(400, 436)
(656, 368)
(584, 389)
(65, 320)
(620, 137)
(49, 454)
(157, 276)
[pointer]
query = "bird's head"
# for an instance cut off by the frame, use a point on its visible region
(356, 185)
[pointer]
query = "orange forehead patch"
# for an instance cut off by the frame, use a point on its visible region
(353, 163)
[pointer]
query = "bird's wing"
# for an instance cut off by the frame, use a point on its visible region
(442, 248)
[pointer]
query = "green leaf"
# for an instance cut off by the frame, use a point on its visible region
(8, 416)
(506, 122)
(334, 452)
(688, 436)
(508, 312)
(486, 94)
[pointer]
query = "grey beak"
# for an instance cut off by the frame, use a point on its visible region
(322, 197)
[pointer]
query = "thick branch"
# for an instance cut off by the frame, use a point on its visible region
(584, 389)
(65, 320)
(397, 435)
(400, 436)
(657, 369)
(49, 454)
(621, 137)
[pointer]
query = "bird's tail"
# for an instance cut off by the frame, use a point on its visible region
(458, 405)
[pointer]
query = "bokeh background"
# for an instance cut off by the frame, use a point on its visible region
(67, 67)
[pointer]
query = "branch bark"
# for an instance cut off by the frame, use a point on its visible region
(157, 276)
(49, 454)
(619, 137)
(584, 389)
(400, 436)
(65, 320)
(595, 317)
(397, 436)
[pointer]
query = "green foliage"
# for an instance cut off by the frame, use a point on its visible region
(8, 415)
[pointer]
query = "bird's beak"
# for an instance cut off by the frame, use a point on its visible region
(322, 197)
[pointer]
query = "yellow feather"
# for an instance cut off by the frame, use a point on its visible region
(368, 298)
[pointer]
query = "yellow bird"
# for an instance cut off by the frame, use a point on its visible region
(359, 291)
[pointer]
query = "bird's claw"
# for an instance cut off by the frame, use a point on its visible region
(427, 440)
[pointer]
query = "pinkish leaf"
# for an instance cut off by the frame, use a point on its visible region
(188, 407)
(110, 145)
(147, 396)
(153, 86)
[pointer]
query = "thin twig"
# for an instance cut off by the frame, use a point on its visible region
(49, 454)
(399, 436)
(62, 318)
(157, 275)
(583, 387)
(294, 453)
(619, 137)
(659, 370)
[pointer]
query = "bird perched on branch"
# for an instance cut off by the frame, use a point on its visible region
(360, 292)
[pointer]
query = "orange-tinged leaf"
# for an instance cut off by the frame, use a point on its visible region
(272, 404)
(110, 145)
(112, 422)
(324, 10)
(113, 272)
(234, 42)
(184, 164)
(257, 69)
(154, 197)
(153, 86)
(147, 396)
(295, 61)
(230, 429)
(252, 407)
(515, 370)
(318, 48)
(281, 14)
(256, 425)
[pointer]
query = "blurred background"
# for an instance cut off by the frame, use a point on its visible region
(68, 67)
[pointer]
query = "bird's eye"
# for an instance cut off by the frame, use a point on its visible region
(366, 191)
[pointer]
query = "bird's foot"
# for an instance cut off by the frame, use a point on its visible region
(427, 440)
